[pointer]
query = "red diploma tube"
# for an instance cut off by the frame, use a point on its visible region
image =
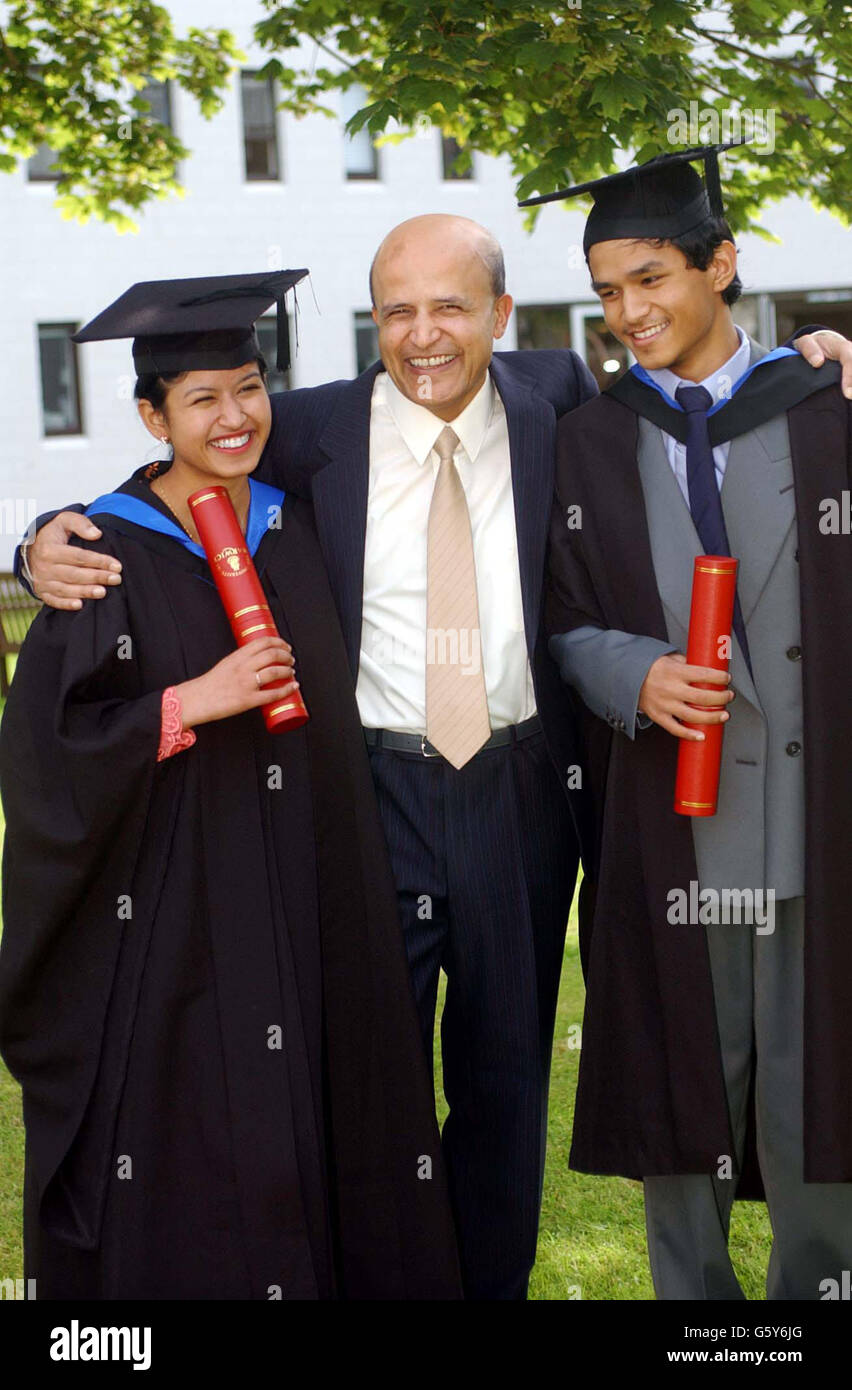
(714, 584)
(241, 591)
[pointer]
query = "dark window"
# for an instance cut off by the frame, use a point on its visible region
(549, 326)
(450, 152)
(267, 335)
(159, 98)
(360, 156)
(260, 134)
(544, 325)
(41, 167)
(60, 389)
(831, 308)
(366, 341)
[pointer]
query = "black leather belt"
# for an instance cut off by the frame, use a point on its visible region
(418, 743)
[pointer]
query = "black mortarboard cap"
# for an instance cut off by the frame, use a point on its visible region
(198, 324)
(665, 197)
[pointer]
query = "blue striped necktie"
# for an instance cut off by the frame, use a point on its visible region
(705, 503)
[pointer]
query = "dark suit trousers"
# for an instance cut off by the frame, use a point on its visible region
(485, 862)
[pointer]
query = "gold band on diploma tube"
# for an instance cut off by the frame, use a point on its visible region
(252, 608)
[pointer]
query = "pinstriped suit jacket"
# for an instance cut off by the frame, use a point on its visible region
(319, 448)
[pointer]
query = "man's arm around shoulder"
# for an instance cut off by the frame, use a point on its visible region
(59, 573)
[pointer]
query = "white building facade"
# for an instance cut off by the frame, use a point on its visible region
(264, 191)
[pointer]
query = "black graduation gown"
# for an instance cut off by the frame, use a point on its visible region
(651, 1097)
(203, 991)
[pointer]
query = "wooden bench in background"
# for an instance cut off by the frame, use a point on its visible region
(17, 611)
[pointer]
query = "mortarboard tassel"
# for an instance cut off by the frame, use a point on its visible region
(282, 341)
(713, 183)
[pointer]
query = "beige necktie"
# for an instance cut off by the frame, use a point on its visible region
(456, 706)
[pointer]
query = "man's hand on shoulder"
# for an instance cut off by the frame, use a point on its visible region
(816, 347)
(62, 574)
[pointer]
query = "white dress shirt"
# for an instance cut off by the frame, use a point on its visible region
(391, 688)
(719, 384)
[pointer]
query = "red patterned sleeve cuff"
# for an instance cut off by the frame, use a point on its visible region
(172, 736)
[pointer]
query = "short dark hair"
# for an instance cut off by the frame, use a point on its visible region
(153, 387)
(698, 248)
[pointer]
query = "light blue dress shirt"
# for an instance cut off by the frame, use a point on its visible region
(720, 384)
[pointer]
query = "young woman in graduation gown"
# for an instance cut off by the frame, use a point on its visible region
(203, 991)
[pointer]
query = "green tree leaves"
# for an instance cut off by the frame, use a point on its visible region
(556, 88)
(70, 77)
(561, 89)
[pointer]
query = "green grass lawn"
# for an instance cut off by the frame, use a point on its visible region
(11, 1145)
(592, 1242)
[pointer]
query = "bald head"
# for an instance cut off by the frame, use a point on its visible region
(435, 283)
(442, 233)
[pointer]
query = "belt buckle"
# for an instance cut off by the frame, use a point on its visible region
(423, 749)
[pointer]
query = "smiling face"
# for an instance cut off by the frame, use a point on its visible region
(668, 313)
(436, 311)
(217, 421)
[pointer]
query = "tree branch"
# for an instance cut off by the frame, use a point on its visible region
(774, 60)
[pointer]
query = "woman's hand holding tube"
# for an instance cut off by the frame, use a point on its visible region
(246, 679)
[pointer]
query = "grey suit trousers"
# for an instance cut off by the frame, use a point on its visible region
(758, 988)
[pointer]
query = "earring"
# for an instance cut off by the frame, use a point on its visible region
(164, 439)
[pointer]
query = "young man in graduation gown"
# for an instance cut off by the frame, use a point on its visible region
(203, 991)
(484, 831)
(698, 1032)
